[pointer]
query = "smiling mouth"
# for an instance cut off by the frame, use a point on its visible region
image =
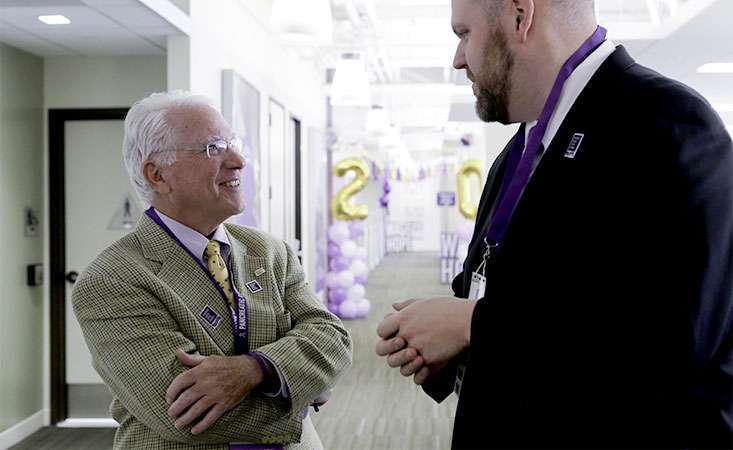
(232, 183)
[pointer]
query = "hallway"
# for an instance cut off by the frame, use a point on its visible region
(373, 406)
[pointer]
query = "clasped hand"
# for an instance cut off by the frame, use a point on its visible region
(209, 388)
(423, 335)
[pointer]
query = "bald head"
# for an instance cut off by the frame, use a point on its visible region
(568, 12)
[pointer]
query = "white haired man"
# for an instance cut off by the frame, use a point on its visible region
(206, 333)
(595, 307)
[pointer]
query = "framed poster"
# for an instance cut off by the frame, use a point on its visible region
(241, 108)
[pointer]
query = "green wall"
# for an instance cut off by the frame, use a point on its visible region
(21, 186)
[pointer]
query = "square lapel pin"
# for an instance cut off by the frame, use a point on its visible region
(211, 316)
(574, 145)
(253, 286)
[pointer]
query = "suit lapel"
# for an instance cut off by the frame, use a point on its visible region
(188, 280)
(247, 268)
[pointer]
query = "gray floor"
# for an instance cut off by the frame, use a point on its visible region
(373, 407)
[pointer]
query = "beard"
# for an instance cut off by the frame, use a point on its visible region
(493, 87)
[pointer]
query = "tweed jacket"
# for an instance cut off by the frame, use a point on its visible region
(143, 297)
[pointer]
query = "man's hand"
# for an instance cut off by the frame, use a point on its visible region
(425, 334)
(212, 386)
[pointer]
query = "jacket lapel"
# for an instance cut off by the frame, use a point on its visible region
(188, 280)
(247, 268)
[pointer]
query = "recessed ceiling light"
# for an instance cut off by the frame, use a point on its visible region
(55, 20)
(716, 68)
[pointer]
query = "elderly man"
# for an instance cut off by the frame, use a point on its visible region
(206, 333)
(596, 303)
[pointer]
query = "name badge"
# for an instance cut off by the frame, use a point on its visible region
(478, 286)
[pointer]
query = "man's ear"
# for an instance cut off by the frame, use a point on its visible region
(153, 174)
(524, 17)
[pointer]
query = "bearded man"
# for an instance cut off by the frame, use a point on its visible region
(595, 305)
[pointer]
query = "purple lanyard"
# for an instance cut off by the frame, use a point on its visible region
(516, 175)
(239, 317)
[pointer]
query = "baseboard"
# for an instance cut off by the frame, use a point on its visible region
(23, 429)
(88, 423)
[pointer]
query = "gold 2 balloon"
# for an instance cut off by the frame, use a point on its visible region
(466, 205)
(342, 206)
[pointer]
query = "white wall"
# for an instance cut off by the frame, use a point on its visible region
(99, 82)
(233, 34)
(21, 186)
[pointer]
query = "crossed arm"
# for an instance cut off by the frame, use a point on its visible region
(133, 340)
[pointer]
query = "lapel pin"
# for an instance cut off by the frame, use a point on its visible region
(211, 316)
(253, 286)
(259, 272)
(574, 145)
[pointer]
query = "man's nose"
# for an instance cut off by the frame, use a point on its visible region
(459, 60)
(234, 159)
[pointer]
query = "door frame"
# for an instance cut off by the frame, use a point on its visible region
(57, 119)
(297, 199)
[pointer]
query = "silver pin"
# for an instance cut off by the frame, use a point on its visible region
(259, 272)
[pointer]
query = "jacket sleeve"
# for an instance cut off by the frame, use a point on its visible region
(312, 354)
(132, 339)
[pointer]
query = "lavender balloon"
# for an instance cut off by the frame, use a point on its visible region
(337, 295)
(333, 250)
(356, 229)
(362, 280)
(340, 263)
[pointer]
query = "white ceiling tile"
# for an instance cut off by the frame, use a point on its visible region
(33, 45)
(134, 17)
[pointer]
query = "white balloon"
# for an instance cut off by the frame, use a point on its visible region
(359, 268)
(363, 307)
(339, 232)
(345, 279)
(349, 309)
(349, 248)
(361, 253)
(356, 292)
(332, 280)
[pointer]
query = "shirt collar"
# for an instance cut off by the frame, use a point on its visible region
(194, 241)
(574, 85)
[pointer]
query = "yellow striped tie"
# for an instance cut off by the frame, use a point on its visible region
(219, 271)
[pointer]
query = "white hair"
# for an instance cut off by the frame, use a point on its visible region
(148, 135)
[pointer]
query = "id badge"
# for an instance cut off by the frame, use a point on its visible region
(478, 286)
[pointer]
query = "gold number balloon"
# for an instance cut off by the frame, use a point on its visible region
(341, 206)
(466, 205)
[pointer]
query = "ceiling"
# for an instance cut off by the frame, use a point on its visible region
(408, 44)
(98, 27)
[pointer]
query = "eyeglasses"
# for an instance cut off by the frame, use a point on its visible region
(217, 146)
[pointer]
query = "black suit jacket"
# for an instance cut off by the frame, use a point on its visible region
(607, 315)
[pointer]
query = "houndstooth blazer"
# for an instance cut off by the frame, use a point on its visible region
(143, 297)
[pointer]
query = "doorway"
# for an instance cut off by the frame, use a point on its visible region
(92, 204)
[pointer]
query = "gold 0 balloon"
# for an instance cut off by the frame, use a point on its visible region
(466, 205)
(341, 206)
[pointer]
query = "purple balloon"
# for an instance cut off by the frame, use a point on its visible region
(337, 295)
(333, 250)
(362, 280)
(340, 263)
(334, 309)
(356, 228)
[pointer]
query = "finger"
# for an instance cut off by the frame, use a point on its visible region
(388, 346)
(194, 412)
(399, 306)
(179, 384)
(211, 417)
(422, 375)
(388, 314)
(189, 360)
(389, 326)
(401, 357)
(186, 399)
(413, 366)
